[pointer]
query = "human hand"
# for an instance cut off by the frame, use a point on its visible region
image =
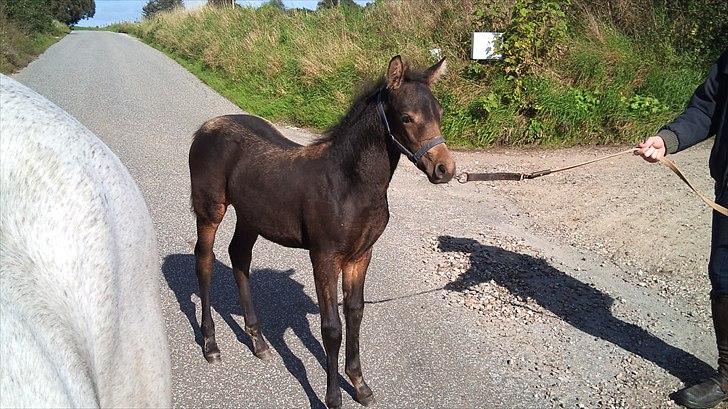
(652, 149)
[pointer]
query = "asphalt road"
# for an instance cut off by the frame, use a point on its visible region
(417, 350)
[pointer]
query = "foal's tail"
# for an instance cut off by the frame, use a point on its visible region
(194, 138)
(210, 156)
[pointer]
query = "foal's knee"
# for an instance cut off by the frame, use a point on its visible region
(353, 314)
(203, 252)
(353, 302)
(205, 259)
(331, 330)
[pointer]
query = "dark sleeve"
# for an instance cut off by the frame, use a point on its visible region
(695, 123)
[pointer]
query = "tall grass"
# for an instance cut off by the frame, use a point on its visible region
(303, 68)
(19, 46)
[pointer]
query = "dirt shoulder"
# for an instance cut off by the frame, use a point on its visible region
(639, 216)
(617, 250)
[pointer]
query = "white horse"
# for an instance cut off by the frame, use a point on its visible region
(80, 317)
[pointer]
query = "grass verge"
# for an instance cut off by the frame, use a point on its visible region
(600, 87)
(18, 46)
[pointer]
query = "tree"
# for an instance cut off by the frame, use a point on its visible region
(221, 3)
(71, 12)
(155, 6)
(33, 15)
(327, 4)
(275, 3)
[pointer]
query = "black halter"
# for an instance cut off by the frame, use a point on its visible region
(414, 157)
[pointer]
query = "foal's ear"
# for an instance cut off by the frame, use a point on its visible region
(395, 72)
(434, 73)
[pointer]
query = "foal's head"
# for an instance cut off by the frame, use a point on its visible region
(414, 116)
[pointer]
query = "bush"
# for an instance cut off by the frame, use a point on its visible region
(18, 46)
(30, 15)
(695, 29)
(155, 6)
(19, 42)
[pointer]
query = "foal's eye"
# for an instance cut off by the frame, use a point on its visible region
(406, 119)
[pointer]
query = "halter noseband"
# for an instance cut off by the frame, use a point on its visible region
(414, 157)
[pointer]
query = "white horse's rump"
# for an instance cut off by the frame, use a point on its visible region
(80, 319)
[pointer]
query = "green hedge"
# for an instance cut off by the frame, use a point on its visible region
(575, 76)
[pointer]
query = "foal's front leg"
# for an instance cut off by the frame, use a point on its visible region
(353, 286)
(326, 276)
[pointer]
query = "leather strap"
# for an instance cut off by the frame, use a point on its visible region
(673, 167)
(422, 151)
(489, 176)
(492, 176)
(426, 148)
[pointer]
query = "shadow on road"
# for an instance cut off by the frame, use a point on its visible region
(280, 304)
(575, 302)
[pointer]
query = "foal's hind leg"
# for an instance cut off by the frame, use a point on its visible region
(241, 250)
(207, 224)
(352, 284)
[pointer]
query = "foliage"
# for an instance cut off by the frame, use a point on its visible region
(38, 15)
(31, 15)
(583, 79)
(531, 38)
(695, 29)
(123, 27)
(155, 6)
(71, 12)
(644, 106)
(275, 3)
(221, 3)
(325, 4)
(19, 45)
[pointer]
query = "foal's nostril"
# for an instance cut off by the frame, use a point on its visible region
(440, 171)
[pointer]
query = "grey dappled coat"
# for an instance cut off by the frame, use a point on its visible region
(80, 318)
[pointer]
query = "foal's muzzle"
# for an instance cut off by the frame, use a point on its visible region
(439, 165)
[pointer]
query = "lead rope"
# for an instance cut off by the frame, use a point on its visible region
(673, 167)
(492, 176)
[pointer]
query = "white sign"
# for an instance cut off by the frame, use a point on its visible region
(485, 46)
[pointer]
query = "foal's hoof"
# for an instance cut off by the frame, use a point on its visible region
(210, 351)
(213, 357)
(333, 402)
(334, 405)
(265, 355)
(367, 400)
(365, 396)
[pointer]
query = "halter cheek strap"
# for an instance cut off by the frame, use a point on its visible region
(413, 157)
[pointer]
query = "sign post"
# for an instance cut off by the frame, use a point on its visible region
(485, 46)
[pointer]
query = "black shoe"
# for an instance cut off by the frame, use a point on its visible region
(713, 391)
(704, 395)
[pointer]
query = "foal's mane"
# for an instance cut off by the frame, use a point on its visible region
(367, 94)
(351, 122)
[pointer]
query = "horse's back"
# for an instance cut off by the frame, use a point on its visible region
(248, 130)
(82, 324)
(224, 144)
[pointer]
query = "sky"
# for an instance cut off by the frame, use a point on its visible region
(114, 11)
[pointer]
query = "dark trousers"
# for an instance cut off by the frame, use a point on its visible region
(718, 266)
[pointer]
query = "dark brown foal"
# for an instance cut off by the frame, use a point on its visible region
(329, 197)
